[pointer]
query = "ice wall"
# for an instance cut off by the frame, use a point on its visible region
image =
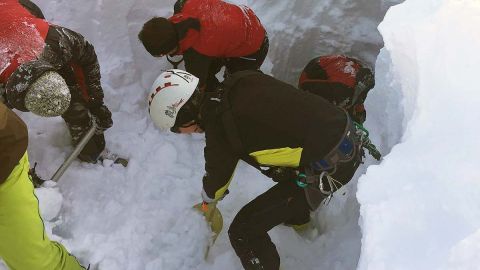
(418, 207)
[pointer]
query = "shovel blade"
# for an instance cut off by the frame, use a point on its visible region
(213, 217)
(215, 220)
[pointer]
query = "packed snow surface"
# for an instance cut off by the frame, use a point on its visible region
(416, 209)
(419, 207)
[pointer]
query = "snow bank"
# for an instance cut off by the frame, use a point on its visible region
(419, 207)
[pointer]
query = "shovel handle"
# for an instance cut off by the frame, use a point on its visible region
(74, 154)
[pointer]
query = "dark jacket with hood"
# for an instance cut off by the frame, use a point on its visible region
(277, 124)
(30, 46)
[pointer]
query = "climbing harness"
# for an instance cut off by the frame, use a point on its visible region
(317, 178)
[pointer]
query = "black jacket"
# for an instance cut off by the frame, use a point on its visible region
(277, 124)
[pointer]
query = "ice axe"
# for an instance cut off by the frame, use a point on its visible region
(37, 181)
(214, 219)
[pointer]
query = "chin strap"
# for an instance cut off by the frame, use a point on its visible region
(173, 62)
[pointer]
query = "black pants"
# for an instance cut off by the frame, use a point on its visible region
(283, 203)
(249, 62)
(79, 121)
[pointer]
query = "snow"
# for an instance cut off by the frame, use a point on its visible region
(418, 206)
(415, 210)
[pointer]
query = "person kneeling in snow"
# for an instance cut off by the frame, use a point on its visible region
(312, 148)
(51, 70)
(209, 34)
(24, 244)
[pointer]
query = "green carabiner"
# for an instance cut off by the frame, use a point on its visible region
(360, 126)
(300, 183)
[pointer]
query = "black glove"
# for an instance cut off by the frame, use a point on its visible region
(102, 117)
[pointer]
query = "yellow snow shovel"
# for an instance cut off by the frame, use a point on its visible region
(214, 219)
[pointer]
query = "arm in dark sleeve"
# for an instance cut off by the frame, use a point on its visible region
(32, 8)
(199, 65)
(220, 161)
(13, 141)
(75, 51)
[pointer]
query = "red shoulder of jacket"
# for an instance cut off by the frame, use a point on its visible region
(24, 47)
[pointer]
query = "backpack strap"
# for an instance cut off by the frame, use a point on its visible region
(233, 136)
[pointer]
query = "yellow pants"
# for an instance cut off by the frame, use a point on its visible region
(24, 244)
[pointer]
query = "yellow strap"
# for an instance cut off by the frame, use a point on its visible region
(282, 157)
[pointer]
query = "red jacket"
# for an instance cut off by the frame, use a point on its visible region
(17, 49)
(226, 30)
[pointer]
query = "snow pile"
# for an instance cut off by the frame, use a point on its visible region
(419, 207)
(140, 217)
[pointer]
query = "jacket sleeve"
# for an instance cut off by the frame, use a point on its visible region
(72, 49)
(13, 141)
(220, 160)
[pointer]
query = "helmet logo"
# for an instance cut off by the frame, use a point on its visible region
(172, 109)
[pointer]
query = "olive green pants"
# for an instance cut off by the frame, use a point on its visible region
(24, 244)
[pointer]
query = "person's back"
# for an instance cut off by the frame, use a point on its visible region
(267, 122)
(271, 114)
(226, 30)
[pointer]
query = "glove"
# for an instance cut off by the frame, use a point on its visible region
(102, 117)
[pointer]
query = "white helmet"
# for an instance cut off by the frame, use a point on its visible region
(170, 91)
